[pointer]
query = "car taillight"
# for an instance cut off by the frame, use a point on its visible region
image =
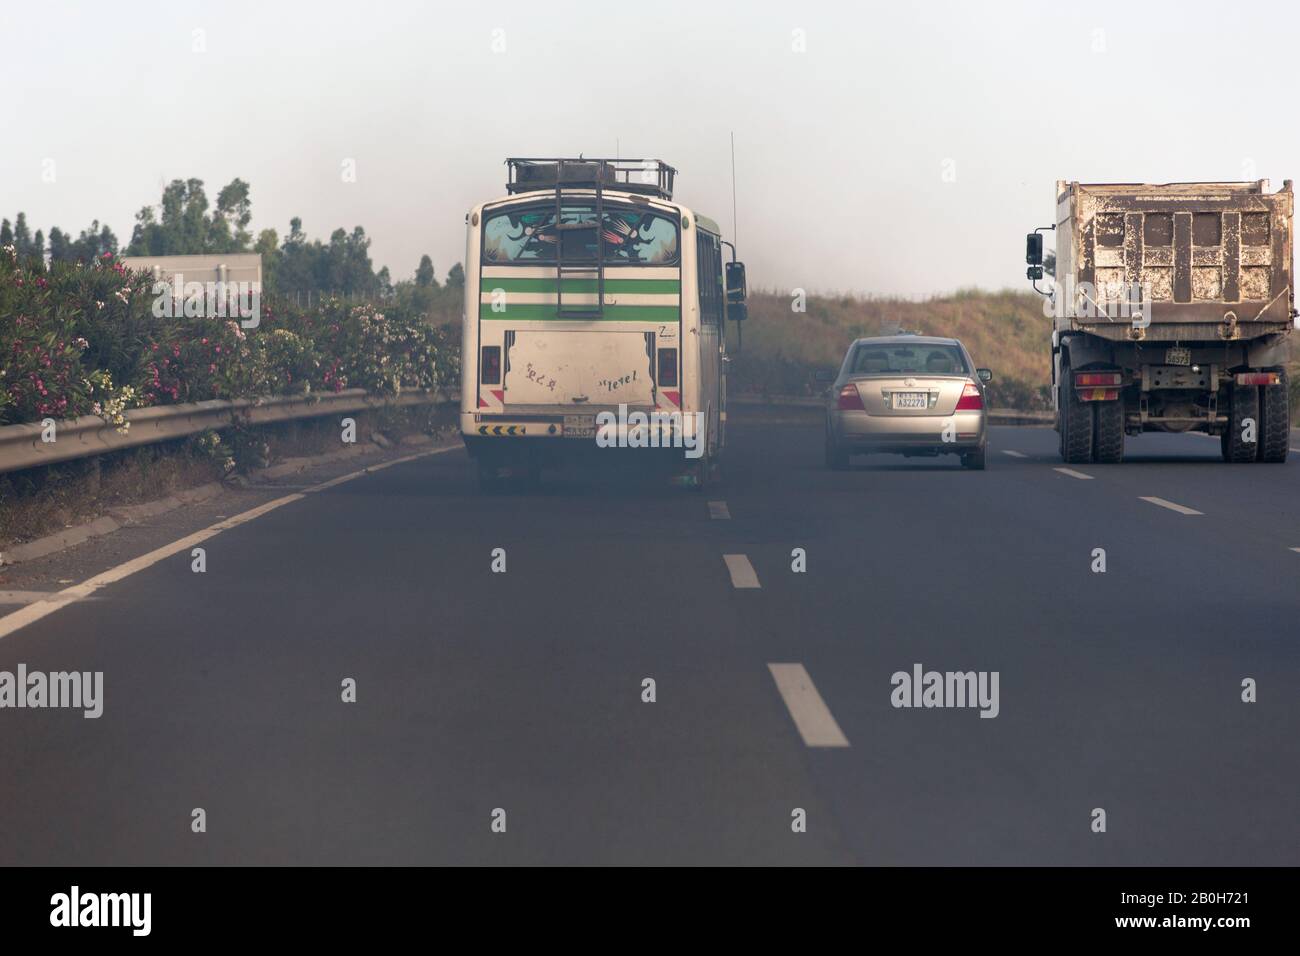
(490, 367)
(668, 368)
(850, 400)
(971, 400)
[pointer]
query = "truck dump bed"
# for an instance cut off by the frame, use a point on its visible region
(1215, 259)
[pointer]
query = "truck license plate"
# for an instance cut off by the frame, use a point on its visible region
(1178, 356)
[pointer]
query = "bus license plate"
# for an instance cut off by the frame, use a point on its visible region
(579, 426)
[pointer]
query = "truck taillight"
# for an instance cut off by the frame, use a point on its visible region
(1097, 379)
(1259, 378)
(850, 400)
(667, 368)
(490, 367)
(971, 400)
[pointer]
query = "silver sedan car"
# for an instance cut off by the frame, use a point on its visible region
(909, 395)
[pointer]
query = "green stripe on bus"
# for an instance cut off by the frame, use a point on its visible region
(614, 313)
(630, 286)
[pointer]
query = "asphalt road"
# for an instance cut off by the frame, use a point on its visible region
(522, 691)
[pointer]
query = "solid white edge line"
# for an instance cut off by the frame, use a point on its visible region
(34, 612)
(742, 572)
(1172, 506)
(1073, 474)
(812, 718)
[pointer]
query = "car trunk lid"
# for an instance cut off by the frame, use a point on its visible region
(915, 395)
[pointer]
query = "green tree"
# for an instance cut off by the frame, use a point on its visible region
(22, 237)
(456, 277)
(424, 274)
(268, 247)
(60, 245)
(183, 225)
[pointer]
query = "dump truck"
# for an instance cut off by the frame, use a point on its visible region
(1172, 311)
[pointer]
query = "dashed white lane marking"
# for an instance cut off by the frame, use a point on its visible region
(1014, 454)
(718, 511)
(742, 572)
(811, 716)
(1296, 550)
(1073, 474)
(1181, 509)
(39, 609)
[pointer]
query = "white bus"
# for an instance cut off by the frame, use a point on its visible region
(595, 311)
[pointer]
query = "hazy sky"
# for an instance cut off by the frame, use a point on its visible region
(842, 147)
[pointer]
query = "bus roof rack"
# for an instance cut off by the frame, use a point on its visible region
(651, 177)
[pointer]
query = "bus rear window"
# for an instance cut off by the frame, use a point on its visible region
(628, 236)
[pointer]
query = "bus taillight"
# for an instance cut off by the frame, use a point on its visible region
(667, 368)
(490, 367)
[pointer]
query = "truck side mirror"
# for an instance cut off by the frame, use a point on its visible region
(736, 290)
(985, 374)
(1034, 249)
(737, 311)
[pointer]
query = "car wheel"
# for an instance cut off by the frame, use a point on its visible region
(837, 458)
(975, 460)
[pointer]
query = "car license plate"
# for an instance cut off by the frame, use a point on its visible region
(579, 426)
(1178, 356)
(911, 400)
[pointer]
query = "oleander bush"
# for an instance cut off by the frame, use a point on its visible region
(79, 338)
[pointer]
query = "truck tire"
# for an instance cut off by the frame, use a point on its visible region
(1274, 420)
(1244, 404)
(1076, 425)
(1108, 433)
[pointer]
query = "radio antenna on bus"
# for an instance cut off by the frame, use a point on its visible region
(733, 185)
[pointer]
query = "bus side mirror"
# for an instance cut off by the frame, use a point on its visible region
(737, 311)
(736, 290)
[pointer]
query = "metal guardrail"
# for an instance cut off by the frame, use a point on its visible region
(22, 446)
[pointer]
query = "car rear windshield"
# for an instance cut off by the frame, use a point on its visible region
(911, 358)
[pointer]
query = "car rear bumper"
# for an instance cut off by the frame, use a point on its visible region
(958, 432)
